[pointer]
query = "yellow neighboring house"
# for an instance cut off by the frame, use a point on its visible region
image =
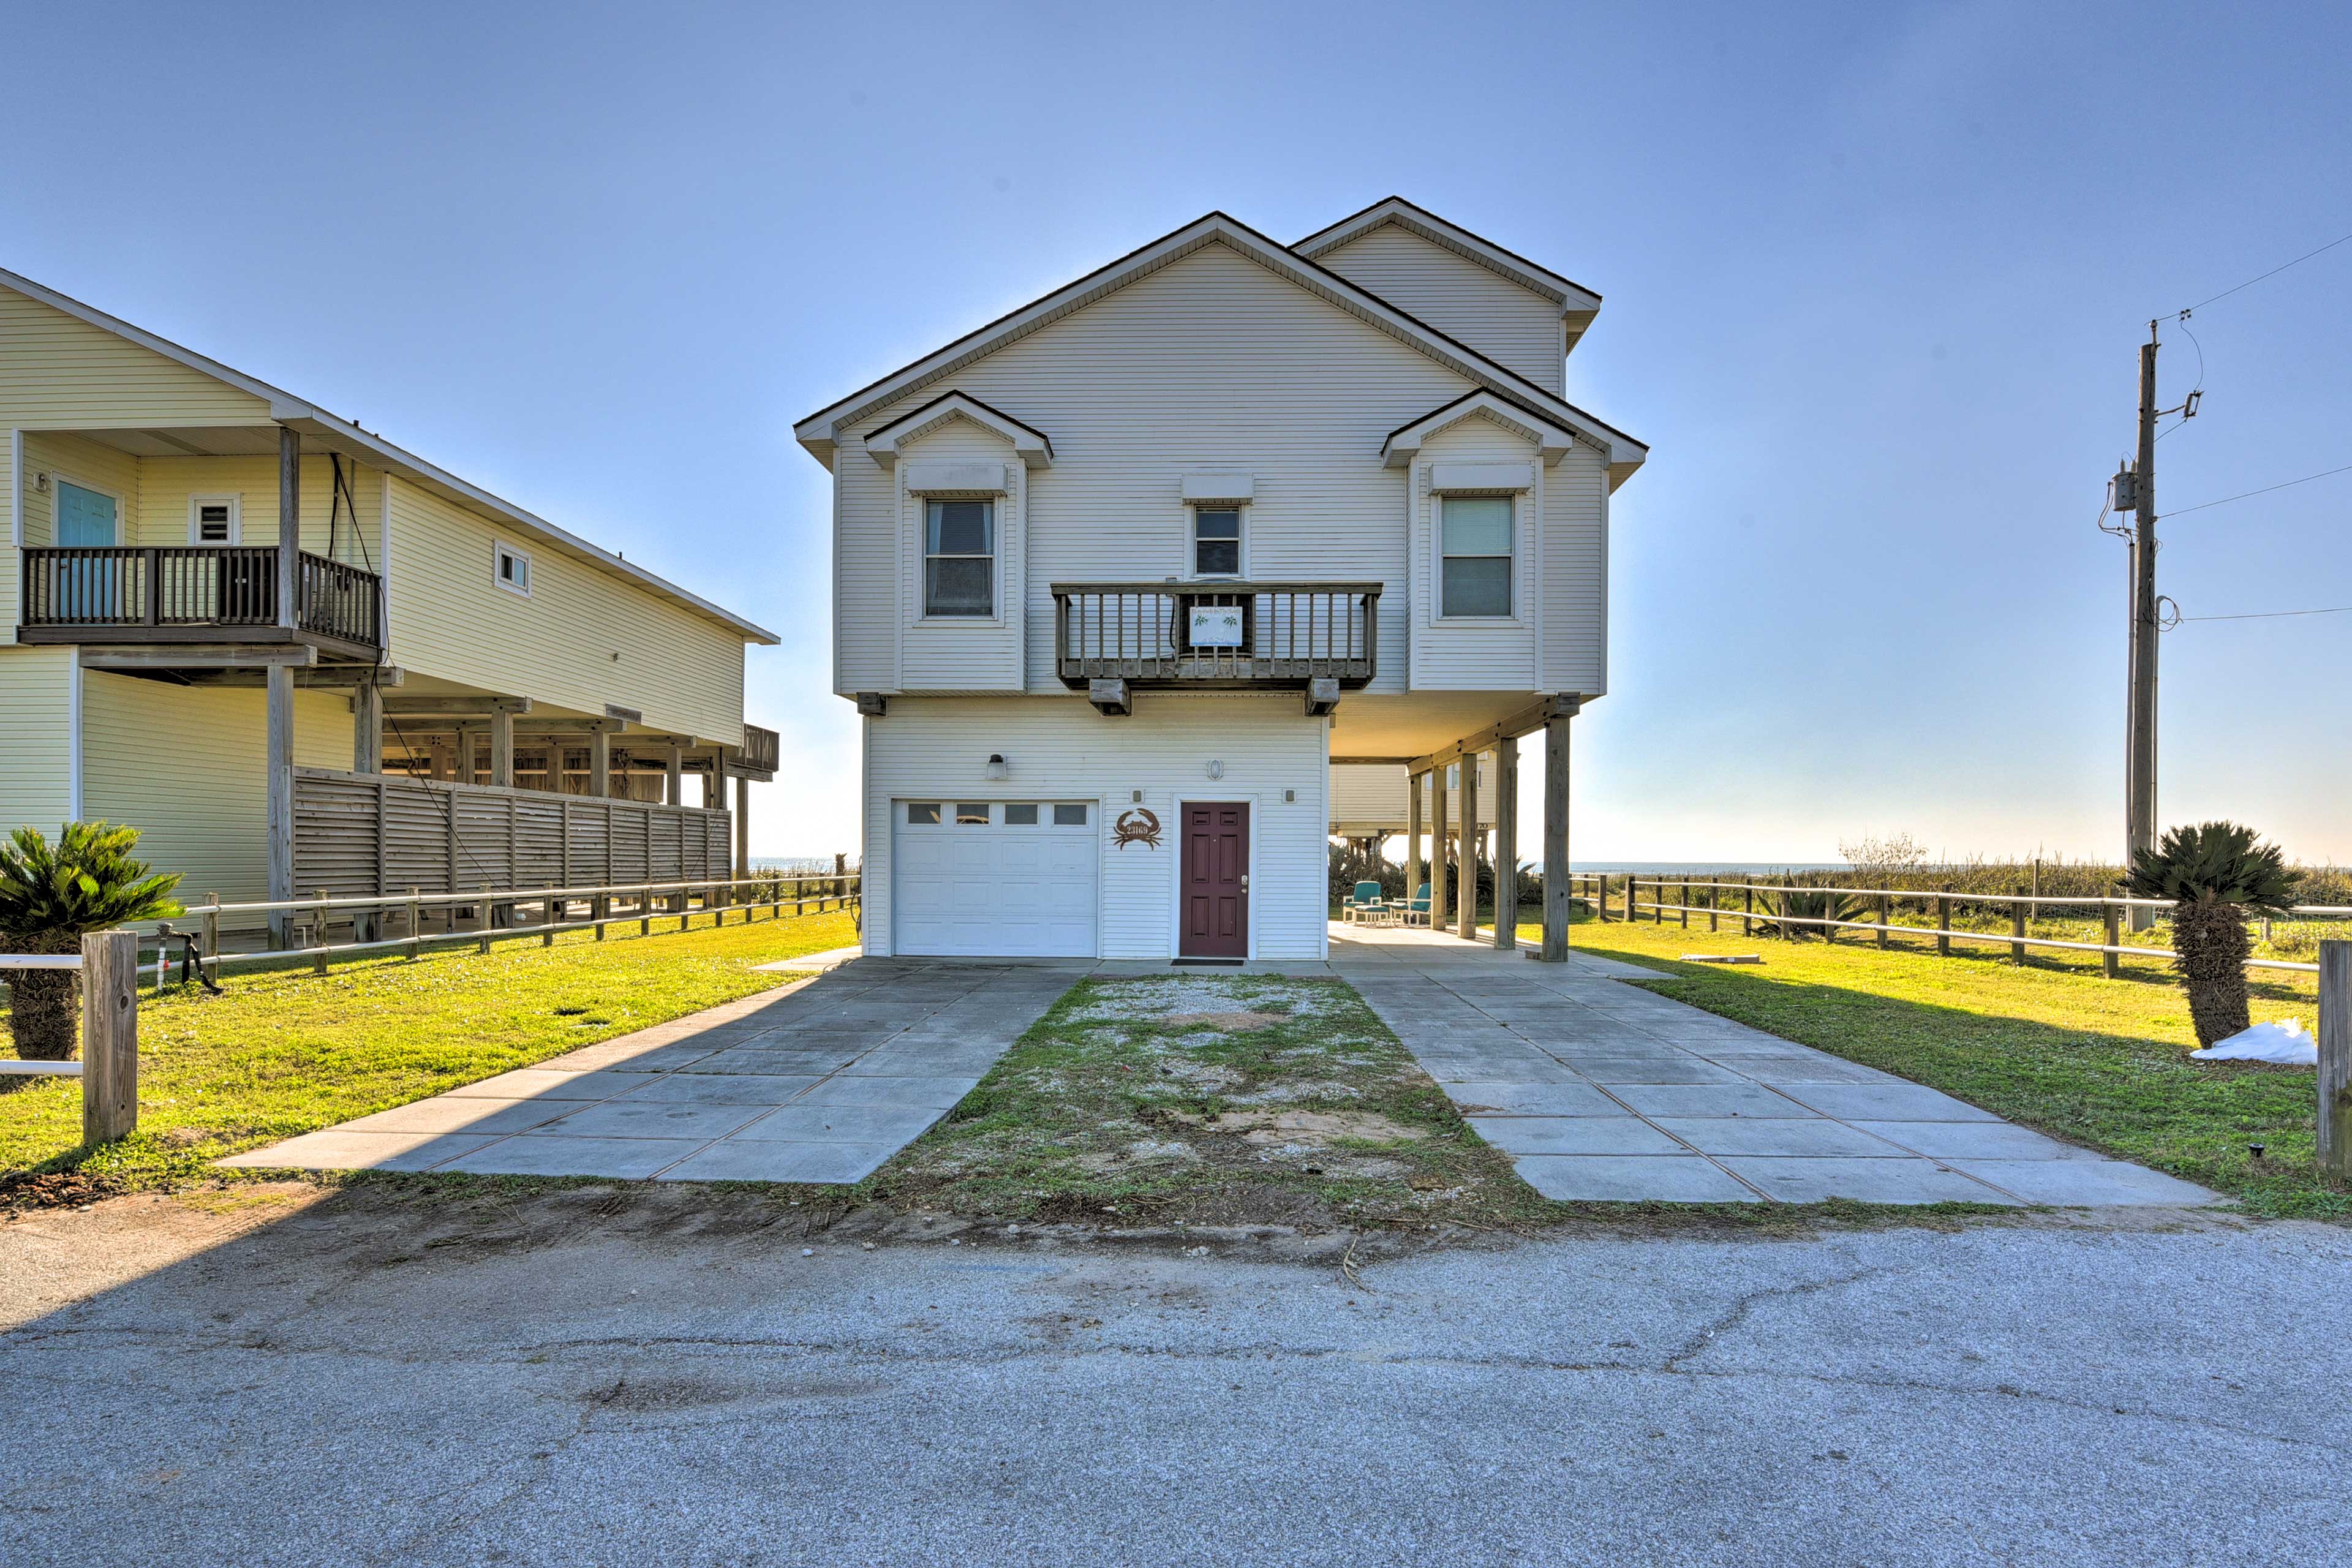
(395, 697)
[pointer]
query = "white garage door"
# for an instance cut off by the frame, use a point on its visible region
(994, 878)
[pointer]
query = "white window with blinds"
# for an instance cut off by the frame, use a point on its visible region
(1476, 544)
(959, 558)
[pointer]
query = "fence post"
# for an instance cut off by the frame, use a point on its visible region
(1829, 913)
(1686, 898)
(2334, 1057)
(482, 918)
(2111, 964)
(1943, 922)
(646, 911)
(319, 930)
(550, 909)
(2017, 908)
(415, 928)
(598, 908)
(1885, 913)
(208, 956)
(1713, 898)
(110, 1036)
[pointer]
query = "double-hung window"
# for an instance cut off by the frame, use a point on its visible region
(959, 558)
(1475, 556)
(1216, 542)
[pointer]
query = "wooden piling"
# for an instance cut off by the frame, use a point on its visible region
(2335, 1148)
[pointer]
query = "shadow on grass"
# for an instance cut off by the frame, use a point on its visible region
(2126, 1095)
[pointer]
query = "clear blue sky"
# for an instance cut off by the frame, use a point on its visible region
(1876, 278)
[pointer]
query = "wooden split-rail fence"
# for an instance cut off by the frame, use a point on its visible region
(1767, 903)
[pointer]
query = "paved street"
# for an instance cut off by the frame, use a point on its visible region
(593, 1377)
(1602, 1091)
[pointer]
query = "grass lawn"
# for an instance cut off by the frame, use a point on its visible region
(286, 1051)
(1232, 1100)
(2051, 1044)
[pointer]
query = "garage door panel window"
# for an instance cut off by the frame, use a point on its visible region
(969, 815)
(1069, 817)
(1021, 815)
(922, 814)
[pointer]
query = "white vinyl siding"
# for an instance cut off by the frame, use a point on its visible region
(1059, 749)
(35, 737)
(1517, 328)
(1370, 797)
(1576, 573)
(1211, 364)
(1474, 654)
(954, 653)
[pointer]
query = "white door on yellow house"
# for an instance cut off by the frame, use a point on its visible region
(87, 517)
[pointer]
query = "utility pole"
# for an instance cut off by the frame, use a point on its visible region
(2140, 773)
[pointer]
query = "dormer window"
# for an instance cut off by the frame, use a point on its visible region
(1216, 542)
(1474, 557)
(959, 558)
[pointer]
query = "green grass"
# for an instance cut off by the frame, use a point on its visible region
(1124, 1102)
(2051, 1044)
(286, 1051)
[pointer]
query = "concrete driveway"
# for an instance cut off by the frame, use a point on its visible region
(657, 1375)
(822, 1083)
(1605, 1091)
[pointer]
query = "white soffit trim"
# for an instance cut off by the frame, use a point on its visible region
(1033, 446)
(956, 478)
(821, 432)
(331, 432)
(1220, 486)
(1480, 479)
(1572, 297)
(1552, 440)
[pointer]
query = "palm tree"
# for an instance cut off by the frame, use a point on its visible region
(2213, 873)
(49, 897)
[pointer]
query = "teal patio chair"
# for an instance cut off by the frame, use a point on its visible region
(1417, 907)
(1362, 904)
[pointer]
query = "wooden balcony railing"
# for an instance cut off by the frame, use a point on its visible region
(92, 593)
(1233, 635)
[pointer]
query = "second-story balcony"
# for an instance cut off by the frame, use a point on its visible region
(1213, 636)
(211, 593)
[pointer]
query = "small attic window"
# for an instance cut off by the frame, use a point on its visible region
(510, 569)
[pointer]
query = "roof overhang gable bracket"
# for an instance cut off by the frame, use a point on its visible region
(1030, 444)
(1552, 440)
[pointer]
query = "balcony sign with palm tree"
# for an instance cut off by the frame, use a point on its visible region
(2214, 874)
(49, 896)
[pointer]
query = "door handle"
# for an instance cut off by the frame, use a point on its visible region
(1245, 881)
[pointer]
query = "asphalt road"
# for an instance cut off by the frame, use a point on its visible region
(670, 1381)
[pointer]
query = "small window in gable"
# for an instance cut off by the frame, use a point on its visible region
(511, 570)
(213, 520)
(1216, 542)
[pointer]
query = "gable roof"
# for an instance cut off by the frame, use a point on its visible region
(819, 431)
(333, 432)
(1405, 441)
(1572, 297)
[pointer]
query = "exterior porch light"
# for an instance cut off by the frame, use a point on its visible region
(1216, 770)
(996, 766)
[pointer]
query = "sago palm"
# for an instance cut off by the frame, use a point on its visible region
(2213, 874)
(50, 895)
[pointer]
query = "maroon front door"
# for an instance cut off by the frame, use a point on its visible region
(1215, 869)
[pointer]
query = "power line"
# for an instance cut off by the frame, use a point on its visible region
(2272, 273)
(2274, 614)
(2266, 489)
